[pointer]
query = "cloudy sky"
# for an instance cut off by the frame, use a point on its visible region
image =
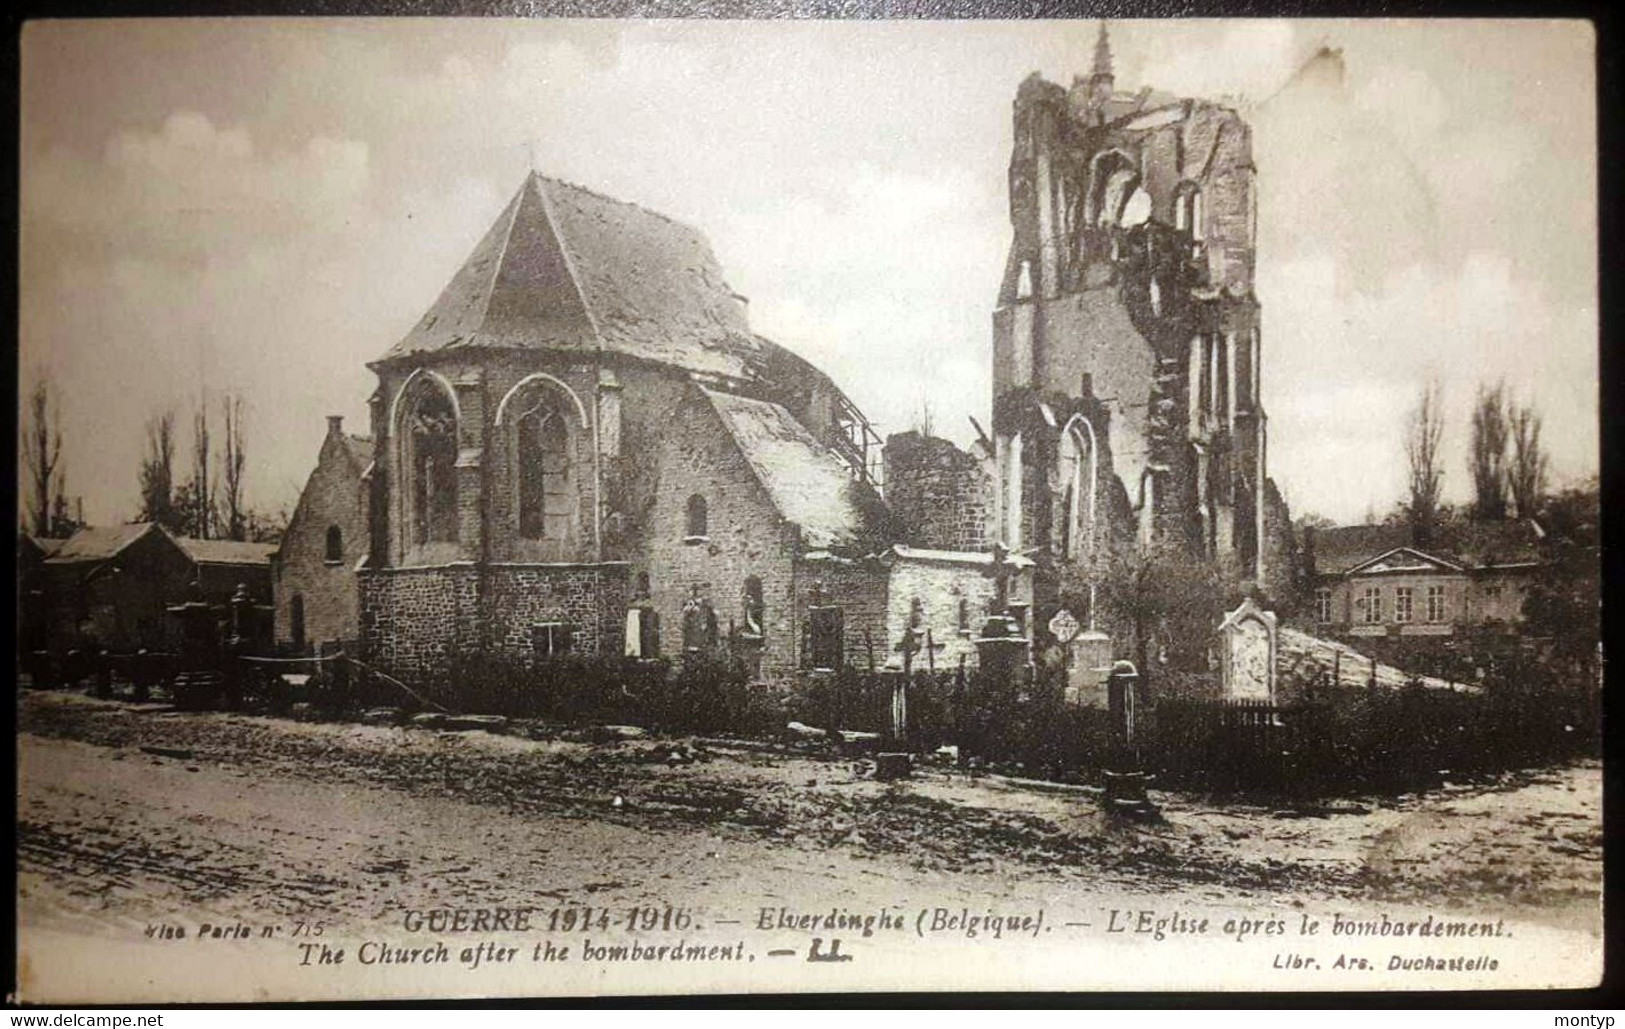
(264, 206)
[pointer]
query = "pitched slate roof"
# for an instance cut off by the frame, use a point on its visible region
(97, 543)
(808, 484)
(565, 268)
(1339, 549)
(1471, 545)
(226, 552)
(44, 546)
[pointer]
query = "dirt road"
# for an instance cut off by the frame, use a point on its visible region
(128, 814)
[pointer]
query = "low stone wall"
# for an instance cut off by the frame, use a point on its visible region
(413, 620)
(590, 598)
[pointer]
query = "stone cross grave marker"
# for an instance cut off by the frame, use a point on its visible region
(1064, 627)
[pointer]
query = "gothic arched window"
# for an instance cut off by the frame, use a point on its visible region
(431, 464)
(1112, 181)
(698, 518)
(546, 483)
(335, 543)
(755, 608)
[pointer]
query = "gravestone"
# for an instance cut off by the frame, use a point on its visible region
(1089, 666)
(1001, 649)
(1247, 649)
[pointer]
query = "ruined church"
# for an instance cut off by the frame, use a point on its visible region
(1127, 347)
(583, 447)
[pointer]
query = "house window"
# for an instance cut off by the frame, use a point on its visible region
(698, 520)
(551, 639)
(1402, 603)
(546, 488)
(432, 465)
(1435, 603)
(335, 544)
(1371, 601)
(1323, 606)
(755, 609)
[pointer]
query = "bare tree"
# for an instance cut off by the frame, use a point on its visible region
(42, 451)
(1422, 438)
(158, 472)
(1487, 456)
(236, 519)
(1526, 478)
(201, 492)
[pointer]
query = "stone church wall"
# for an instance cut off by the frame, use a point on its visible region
(859, 588)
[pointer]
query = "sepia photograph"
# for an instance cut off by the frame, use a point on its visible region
(609, 508)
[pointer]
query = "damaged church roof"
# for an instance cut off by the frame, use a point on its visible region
(808, 484)
(568, 269)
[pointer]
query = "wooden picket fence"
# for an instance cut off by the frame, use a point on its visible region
(1226, 743)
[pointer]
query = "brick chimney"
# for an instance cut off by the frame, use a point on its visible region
(335, 424)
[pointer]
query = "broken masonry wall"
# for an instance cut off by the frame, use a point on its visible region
(1283, 580)
(955, 599)
(943, 495)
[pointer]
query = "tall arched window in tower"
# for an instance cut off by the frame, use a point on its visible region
(546, 488)
(430, 430)
(335, 544)
(1076, 467)
(1112, 180)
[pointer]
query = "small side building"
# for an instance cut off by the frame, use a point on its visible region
(317, 596)
(112, 587)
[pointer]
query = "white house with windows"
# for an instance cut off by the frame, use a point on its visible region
(1376, 581)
